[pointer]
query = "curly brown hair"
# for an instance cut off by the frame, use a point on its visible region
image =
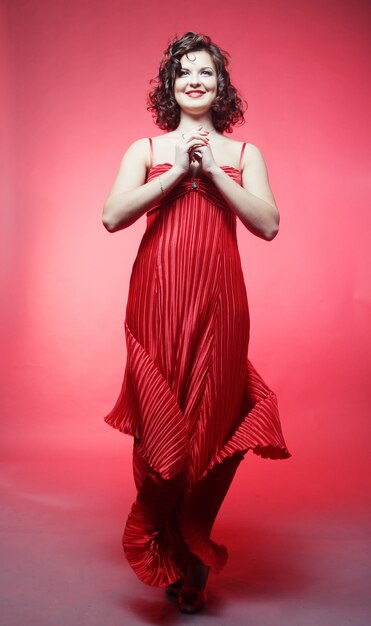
(227, 108)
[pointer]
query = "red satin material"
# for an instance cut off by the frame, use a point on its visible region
(190, 397)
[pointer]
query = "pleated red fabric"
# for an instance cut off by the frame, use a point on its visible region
(190, 397)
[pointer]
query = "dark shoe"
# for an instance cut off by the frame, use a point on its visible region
(191, 599)
(173, 589)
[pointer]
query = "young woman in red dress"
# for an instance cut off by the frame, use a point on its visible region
(190, 398)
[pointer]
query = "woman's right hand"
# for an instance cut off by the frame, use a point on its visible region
(186, 145)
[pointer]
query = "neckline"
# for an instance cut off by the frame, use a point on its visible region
(230, 167)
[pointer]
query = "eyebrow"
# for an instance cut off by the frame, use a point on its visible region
(206, 67)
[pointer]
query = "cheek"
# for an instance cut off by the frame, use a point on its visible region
(179, 82)
(177, 89)
(214, 86)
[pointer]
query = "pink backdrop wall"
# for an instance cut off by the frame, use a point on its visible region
(76, 77)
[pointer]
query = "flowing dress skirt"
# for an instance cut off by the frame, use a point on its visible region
(190, 397)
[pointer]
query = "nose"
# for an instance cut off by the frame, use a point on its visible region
(194, 80)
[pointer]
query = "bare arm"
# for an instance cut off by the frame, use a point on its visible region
(254, 202)
(130, 195)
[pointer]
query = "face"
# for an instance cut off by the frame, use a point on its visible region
(195, 89)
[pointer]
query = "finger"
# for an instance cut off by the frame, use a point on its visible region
(199, 150)
(202, 141)
(196, 155)
(195, 140)
(195, 134)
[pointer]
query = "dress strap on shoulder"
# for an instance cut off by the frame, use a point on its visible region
(241, 156)
(151, 151)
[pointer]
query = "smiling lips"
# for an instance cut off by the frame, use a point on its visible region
(195, 94)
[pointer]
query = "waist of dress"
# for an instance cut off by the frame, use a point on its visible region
(192, 186)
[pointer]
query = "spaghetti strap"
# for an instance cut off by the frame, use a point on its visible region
(151, 152)
(241, 156)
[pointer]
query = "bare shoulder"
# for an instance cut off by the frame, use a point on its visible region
(228, 142)
(227, 150)
(163, 146)
(255, 174)
(139, 151)
(253, 156)
(164, 140)
(165, 137)
(133, 167)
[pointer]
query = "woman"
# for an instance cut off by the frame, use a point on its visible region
(190, 398)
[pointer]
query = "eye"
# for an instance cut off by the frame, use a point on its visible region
(207, 72)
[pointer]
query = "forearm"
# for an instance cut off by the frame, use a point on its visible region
(260, 217)
(122, 210)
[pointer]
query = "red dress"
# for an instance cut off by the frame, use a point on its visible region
(190, 397)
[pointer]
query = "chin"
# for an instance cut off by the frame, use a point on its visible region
(187, 104)
(196, 108)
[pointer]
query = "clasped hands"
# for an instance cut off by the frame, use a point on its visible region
(193, 146)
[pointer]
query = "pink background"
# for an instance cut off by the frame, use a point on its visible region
(76, 77)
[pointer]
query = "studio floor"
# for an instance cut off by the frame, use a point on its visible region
(62, 563)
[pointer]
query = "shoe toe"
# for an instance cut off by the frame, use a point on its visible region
(191, 599)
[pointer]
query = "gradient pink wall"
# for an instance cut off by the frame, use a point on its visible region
(76, 77)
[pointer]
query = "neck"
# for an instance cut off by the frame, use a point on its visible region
(188, 122)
